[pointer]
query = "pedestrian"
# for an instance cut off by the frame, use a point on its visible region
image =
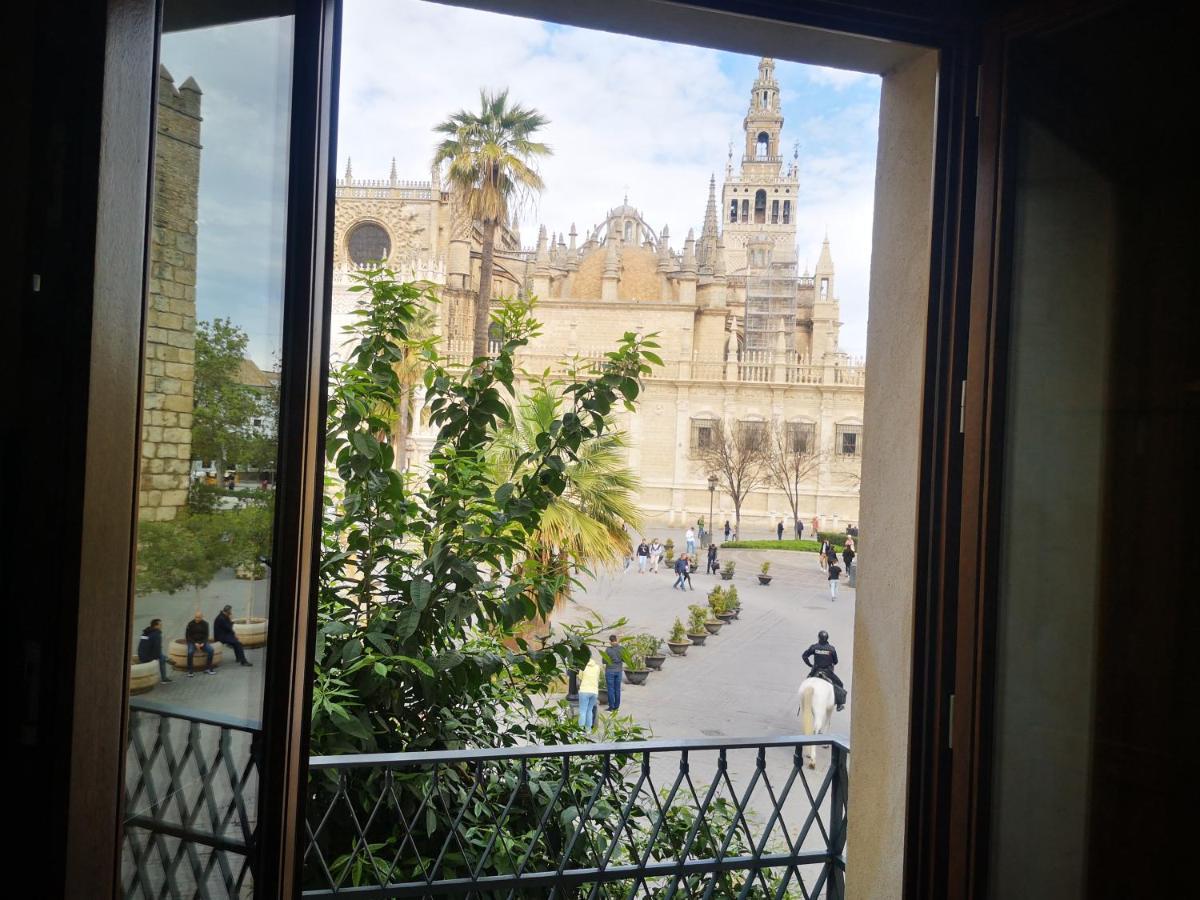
(834, 572)
(799, 530)
(196, 635)
(690, 540)
(700, 530)
(848, 554)
(823, 554)
(150, 648)
(831, 552)
(689, 565)
(779, 531)
(589, 694)
(223, 633)
(726, 529)
(614, 671)
(643, 556)
(656, 552)
(712, 559)
(681, 567)
(816, 527)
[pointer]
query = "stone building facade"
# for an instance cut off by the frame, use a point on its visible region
(171, 303)
(746, 337)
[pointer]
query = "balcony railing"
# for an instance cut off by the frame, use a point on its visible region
(711, 818)
(718, 818)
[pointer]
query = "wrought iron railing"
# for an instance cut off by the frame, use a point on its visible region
(718, 818)
(191, 788)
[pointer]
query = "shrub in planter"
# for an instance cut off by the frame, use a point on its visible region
(719, 604)
(697, 616)
(669, 553)
(653, 651)
(677, 640)
(763, 577)
(634, 651)
(727, 571)
(732, 603)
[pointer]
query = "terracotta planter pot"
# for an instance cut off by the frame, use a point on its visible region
(713, 627)
(637, 676)
(143, 676)
(251, 632)
(177, 655)
(698, 639)
(656, 662)
(679, 648)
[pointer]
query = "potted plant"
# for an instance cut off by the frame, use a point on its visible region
(634, 651)
(763, 577)
(249, 547)
(711, 623)
(654, 655)
(669, 553)
(732, 603)
(677, 640)
(697, 616)
(719, 605)
(727, 571)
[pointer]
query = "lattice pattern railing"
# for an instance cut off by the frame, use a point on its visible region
(653, 819)
(191, 788)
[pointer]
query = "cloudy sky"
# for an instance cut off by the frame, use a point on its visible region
(626, 115)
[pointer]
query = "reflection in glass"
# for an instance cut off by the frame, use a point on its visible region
(210, 409)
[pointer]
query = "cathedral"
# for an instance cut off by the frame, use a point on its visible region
(746, 337)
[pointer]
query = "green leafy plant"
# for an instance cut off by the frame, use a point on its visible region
(728, 567)
(765, 567)
(731, 599)
(678, 633)
(717, 601)
(427, 581)
(669, 551)
(697, 616)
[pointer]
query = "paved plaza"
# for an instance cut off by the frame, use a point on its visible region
(743, 681)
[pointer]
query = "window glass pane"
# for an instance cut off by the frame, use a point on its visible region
(210, 406)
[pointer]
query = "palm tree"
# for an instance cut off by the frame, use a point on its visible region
(489, 157)
(586, 525)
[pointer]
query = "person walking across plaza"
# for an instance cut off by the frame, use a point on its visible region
(727, 529)
(643, 556)
(681, 571)
(712, 559)
(835, 572)
(823, 554)
(223, 633)
(690, 540)
(656, 552)
(614, 672)
(150, 648)
(196, 635)
(688, 563)
(779, 531)
(848, 555)
(589, 694)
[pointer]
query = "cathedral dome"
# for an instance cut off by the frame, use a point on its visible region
(638, 279)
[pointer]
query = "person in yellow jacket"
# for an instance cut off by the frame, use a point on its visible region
(589, 692)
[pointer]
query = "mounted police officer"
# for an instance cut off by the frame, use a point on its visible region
(821, 657)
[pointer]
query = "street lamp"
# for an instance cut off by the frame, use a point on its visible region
(712, 491)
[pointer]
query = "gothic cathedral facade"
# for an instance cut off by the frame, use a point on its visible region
(747, 339)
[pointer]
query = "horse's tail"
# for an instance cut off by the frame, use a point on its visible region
(806, 709)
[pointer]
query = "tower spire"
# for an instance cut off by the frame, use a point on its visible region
(706, 252)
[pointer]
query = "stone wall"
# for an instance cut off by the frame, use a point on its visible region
(171, 304)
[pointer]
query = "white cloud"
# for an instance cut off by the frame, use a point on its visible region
(625, 114)
(838, 79)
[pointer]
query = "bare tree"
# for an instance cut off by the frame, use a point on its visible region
(792, 457)
(737, 453)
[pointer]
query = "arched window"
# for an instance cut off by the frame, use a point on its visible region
(732, 210)
(787, 211)
(745, 210)
(774, 212)
(628, 231)
(760, 207)
(762, 145)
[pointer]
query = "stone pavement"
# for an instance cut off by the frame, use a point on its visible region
(743, 681)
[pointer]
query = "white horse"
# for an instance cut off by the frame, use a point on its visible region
(815, 712)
